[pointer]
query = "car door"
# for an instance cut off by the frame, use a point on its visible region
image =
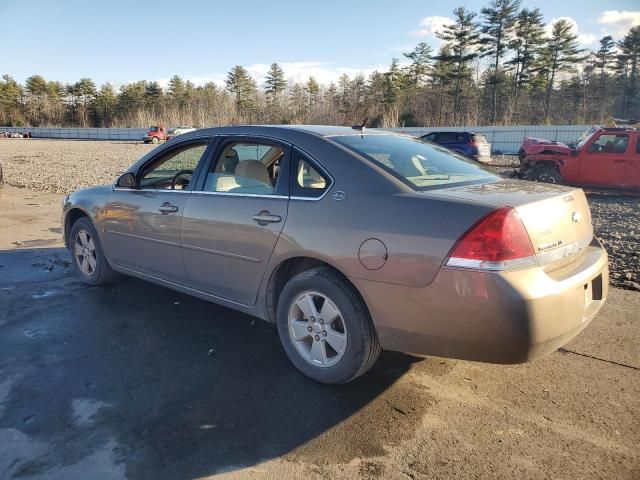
(143, 224)
(234, 217)
(603, 160)
(632, 165)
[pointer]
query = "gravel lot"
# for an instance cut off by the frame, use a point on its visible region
(61, 166)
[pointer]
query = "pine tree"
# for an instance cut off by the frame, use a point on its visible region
(560, 54)
(105, 105)
(627, 66)
(313, 91)
(527, 41)
(420, 65)
(499, 22)
(605, 59)
(463, 40)
(392, 82)
(153, 93)
(275, 82)
(176, 86)
(244, 89)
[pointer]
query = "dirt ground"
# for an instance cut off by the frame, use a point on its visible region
(136, 381)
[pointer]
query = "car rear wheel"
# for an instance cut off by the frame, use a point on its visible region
(155, 140)
(325, 327)
(546, 175)
(89, 260)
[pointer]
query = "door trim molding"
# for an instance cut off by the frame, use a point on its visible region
(222, 254)
(140, 237)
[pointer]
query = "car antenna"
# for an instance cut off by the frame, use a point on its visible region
(361, 126)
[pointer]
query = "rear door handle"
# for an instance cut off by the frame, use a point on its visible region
(166, 208)
(265, 217)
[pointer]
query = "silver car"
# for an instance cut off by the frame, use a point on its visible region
(350, 241)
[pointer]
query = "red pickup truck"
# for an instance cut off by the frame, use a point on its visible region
(600, 157)
(155, 134)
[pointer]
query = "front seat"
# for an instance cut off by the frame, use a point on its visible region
(253, 177)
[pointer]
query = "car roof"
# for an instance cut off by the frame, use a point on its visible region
(454, 131)
(286, 130)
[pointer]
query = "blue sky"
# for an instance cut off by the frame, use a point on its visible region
(119, 41)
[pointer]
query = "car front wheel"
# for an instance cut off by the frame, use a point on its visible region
(546, 175)
(88, 258)
(325, 328)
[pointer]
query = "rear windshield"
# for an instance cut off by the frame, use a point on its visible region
(422, 166)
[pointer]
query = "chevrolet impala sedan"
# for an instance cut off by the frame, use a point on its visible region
(351, 241)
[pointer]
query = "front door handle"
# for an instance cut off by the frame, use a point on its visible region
(166, 208)
(265, 217)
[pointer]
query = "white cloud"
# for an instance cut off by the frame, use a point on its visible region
(324, 73)
(583, 38)
(429, 26)
(618, 23)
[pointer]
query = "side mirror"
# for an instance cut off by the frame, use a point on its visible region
(127, 180)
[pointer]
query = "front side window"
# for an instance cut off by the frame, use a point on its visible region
(420, 165)
(245, 168)
(610, 143)
(174, 169)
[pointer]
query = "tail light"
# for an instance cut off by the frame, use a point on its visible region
(499, 241)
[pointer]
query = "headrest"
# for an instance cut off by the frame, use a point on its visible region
(253, 169)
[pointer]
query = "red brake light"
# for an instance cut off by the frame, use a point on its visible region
(499, 241)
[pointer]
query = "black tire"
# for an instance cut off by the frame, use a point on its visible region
(521, 155)
(363, 347)
(546, 174)
(155, 140)
(102, 273)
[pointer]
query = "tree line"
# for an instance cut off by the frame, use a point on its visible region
(495, 67)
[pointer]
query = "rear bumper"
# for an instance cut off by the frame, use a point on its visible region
(496, 317)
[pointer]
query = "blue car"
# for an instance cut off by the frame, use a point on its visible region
(469, 144)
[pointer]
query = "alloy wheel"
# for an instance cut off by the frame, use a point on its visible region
(84, 250)
(317, 329)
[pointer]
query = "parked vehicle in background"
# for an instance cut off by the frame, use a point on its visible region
(607, 157)
(156, 134)
(470, 144)
(180, 130)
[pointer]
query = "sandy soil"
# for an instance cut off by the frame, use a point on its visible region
(62, 166)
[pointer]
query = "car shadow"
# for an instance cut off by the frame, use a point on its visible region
(170, 385)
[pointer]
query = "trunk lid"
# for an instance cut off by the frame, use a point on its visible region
(557, 218)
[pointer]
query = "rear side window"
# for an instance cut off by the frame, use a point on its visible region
(447, 137)
(420, 165)
(308, 179)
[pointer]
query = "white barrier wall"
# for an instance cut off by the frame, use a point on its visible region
(81, 133)
(502, 139)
